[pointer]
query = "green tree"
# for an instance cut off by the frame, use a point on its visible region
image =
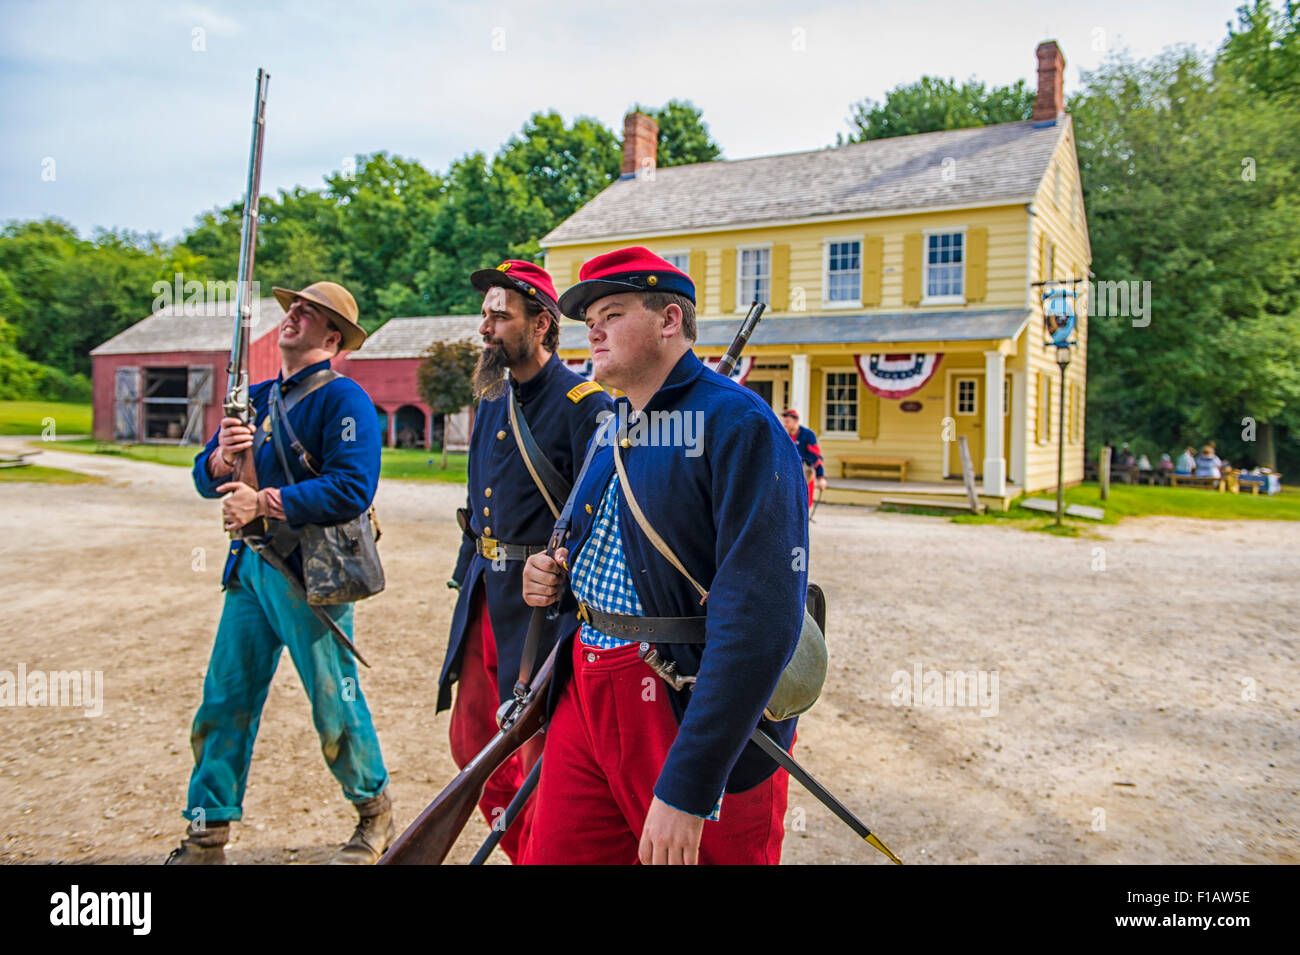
(443, 379)
(683, 135)
(933, 103)
(561, 166)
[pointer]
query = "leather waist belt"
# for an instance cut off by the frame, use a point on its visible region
(646, 629)
(500, 550)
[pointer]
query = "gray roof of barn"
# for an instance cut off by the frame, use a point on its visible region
(409, 337)
(207, 327)
(990, 164)
(966, 325)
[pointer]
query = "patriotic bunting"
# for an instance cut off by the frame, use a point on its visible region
(896, 376)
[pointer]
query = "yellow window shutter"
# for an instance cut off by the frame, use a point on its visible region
(868, 414)
(1042, 257)
(977, 264)
(698, 268)
(873, 252)
(912, 243)
(780, 278)
(575, 270)
(728, 281)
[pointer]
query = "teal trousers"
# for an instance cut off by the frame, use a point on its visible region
(262, 616)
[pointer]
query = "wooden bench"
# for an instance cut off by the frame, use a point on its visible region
(1205, 483)
(874, 463)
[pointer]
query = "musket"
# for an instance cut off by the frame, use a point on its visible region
(728, 363)
(428, 840)
(237, 404)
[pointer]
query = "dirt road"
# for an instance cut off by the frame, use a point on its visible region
(1140, 689)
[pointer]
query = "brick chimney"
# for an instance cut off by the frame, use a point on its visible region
(1051, 79)
(640, 145)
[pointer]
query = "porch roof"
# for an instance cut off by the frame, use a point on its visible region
(833, 329)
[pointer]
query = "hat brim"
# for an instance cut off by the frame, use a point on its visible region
(353, 335)
(485, 279)
(574, 302)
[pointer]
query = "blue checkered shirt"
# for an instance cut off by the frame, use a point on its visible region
(600, 579)
(599, 574)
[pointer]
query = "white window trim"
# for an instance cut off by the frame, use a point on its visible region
(825, 430)
(742, 305)
(861, 240)
(925, 267)
(685, 252)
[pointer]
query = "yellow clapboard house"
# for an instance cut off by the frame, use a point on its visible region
(898, 275)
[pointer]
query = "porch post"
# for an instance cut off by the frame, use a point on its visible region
(995, 465)
(800, 376)
(392, 428)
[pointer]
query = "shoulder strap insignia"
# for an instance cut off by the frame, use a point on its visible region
(578, 392)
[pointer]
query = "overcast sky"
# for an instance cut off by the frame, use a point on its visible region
(144, 107)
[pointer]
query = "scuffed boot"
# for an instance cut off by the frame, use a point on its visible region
(205, 847)
(374, 833)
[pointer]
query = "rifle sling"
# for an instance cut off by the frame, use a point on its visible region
(530, 659)
(549, 481)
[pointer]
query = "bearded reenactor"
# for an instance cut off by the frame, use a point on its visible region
(322, 467)
(531, 430)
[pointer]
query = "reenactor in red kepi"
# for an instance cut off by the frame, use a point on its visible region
(810, 453)
(635, 769)
(531, 430)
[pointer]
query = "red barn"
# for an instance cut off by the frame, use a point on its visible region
(164, 378)
(386, 367)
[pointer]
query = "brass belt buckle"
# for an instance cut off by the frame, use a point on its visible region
(582, 613)
(488, 548)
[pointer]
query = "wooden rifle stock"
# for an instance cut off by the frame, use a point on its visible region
(428, 840)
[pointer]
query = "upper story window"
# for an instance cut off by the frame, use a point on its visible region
(945, 265)
(678, 260)
(755, 276)
(844, 270)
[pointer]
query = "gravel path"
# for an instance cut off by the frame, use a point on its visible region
(1140, 687)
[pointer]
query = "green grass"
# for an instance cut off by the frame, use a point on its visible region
(36, 474)
(1127, 500)
(28, 417)
(416, 464)
(403, 464)
(1132, 500)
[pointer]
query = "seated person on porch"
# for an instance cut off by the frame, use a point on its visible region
(1186, 461)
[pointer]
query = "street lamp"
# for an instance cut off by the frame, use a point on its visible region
(1059, 320)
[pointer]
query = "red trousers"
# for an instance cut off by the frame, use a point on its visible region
(474, 723)
(605, 746)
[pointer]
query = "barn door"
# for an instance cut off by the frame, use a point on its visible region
(198, 394)
(126, 404)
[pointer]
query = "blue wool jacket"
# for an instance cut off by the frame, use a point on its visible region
(338, 426)
(561, 410)
(736, 515)
(809, 451)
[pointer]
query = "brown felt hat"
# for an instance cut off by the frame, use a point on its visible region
(337, 300)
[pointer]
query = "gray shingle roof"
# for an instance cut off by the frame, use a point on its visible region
(409, 337)
(989, 164)
(849, 329)
(208, 327)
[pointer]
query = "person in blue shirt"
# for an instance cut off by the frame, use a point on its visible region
(508, 517)
(810, 451)
(336, 422)
(635, 770)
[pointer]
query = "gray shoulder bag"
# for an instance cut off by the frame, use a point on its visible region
(340, 562)
(804, 676)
